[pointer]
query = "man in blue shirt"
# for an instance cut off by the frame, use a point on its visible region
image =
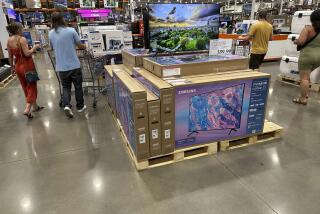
(64, 41)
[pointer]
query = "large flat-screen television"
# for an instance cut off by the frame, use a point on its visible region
(182, 27)
(216, 110)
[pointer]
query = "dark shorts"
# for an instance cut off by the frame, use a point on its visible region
(256, 60)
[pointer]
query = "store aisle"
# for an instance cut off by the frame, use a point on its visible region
(55, 165)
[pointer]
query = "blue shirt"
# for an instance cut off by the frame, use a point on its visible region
(64, 43)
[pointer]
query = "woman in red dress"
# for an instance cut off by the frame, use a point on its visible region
(20, 58)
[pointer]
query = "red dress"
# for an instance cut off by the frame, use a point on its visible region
(23, 64)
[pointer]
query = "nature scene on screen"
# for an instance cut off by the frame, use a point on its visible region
(182, 27)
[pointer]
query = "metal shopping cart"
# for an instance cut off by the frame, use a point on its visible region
(53, 61)
(92, 69)
(242, 47)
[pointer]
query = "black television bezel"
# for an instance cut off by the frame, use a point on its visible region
(147, 27)
(243, 91)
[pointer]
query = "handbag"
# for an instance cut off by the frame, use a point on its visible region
(300, 47)
(30, 75)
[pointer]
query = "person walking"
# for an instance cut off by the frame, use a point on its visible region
(309, 59)
(21, 62)
(64, 41)
(260, 33)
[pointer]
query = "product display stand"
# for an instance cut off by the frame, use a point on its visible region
(183, 150)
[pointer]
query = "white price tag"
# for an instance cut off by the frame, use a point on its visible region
(142, 138)
(154, 134)
(167, 72)
(167, 134)
(220, 47)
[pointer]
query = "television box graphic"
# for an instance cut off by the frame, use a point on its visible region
(219, 107)
(133, 57)
(184, 65)
(182, 27)
(166, 94)
(132, 108)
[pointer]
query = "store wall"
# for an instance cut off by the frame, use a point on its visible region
(3, 33)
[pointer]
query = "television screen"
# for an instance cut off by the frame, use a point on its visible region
(60, 4)
(11, 13)
(182, 27)
(216, 110)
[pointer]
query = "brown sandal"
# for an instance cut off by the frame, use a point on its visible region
(39, 108)
(299, 101)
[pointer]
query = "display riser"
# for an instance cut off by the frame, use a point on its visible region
(295, 82)
(270, 132)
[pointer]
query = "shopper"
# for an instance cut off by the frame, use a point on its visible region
(20, 59)
(64, 41)
(309, 59)
(261, 34)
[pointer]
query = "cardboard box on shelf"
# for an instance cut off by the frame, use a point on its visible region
(132, 108)
(133, 57)
(184, 65)
(219, 106)
(166, 94)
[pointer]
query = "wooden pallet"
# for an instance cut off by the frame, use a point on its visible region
(295, 82)
(270, 132)
(176, 156)
(161, 160)
(7, 81)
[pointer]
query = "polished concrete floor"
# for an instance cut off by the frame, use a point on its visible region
(53, 165)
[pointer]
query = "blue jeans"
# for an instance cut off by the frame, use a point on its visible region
(67, 78)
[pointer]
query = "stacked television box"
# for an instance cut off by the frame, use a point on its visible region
(127, 98)
(217, 107)
(201, 98)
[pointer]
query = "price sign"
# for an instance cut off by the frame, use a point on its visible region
(220, 47)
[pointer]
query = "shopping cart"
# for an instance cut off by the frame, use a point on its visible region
(92, 68)
(242, 47)
(53, 61)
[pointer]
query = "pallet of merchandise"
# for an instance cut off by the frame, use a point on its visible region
(270, 132)
(7, 81)
(161, 160)
(176, 156)
(295, 82)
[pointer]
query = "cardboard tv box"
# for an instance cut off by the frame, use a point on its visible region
(132, 108)
(110, 88)
(154, 116)
(184, 65)
(110, 85)
(217, 107)
(166, 94)
(134, 57)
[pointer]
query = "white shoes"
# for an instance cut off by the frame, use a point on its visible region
(83, 108)
(68, 112)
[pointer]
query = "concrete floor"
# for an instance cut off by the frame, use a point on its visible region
(53, 165)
